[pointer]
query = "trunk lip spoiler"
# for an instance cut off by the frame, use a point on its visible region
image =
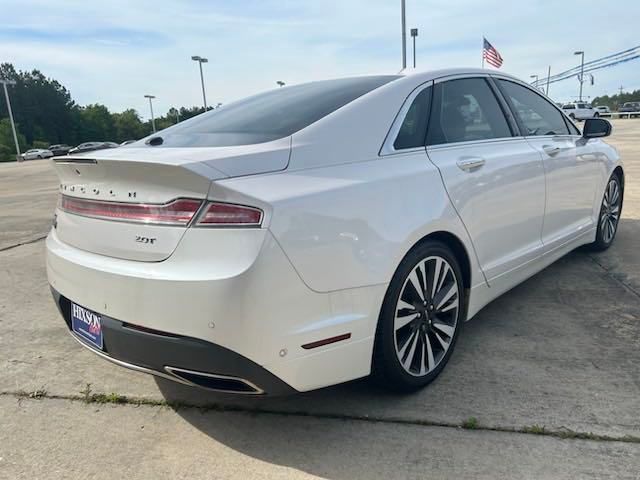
(74, 161)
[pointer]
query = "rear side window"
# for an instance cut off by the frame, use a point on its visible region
(270, 115)
(465, 110)
(414, 127)
(537, 115)
(569, 107)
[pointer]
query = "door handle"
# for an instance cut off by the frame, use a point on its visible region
(470, 163)
(551, 150)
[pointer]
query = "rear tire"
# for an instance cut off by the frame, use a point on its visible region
(610, 210)
(596, 115)
(420, 319)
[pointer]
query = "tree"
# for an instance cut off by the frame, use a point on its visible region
(128, 126)
(7, 145)
(617, 100)
(45, 114)
(97, 123)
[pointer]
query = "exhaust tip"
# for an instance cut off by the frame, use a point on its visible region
(215, 382)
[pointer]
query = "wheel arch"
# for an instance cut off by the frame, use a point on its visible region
(458, 248)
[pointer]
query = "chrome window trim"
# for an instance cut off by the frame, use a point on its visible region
(441, 146)
(392, 134)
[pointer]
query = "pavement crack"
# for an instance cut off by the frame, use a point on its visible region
(616, 279)
(26, 242)
(88, 398)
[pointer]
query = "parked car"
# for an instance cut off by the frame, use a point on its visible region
(36, 153)
(317, 233)
(59, 149)
(580, 111)
(91, 146)
(630, 107)
(603, 111)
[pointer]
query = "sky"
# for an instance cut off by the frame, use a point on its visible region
(114, 52)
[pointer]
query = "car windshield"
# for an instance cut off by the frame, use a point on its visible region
(271, 115)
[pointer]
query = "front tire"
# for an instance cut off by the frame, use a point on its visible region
(596, 115)
(610, 210)
(420, 320)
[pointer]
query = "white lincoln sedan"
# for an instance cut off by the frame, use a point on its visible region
(323, 232)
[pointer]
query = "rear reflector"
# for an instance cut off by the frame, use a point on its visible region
(326, 341)
(176, 212)
(227, 214)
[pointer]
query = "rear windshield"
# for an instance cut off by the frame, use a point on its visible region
(270, 115)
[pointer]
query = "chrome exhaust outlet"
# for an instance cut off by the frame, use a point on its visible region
(215, 382)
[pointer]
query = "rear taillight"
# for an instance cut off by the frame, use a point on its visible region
(218, 214)
(176, 212)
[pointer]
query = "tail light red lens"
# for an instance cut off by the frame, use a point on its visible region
(177, 212)
(230, 215)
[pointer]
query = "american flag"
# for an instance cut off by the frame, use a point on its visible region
(491, 55)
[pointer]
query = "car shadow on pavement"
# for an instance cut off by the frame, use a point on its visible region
(526, 359)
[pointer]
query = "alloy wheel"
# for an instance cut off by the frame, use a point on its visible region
(426, 315)
(610, 211)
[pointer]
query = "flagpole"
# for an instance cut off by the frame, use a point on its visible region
(482, 51)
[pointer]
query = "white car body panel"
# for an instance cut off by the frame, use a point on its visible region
(339, 215)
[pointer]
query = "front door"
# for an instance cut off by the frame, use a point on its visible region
(571, 167)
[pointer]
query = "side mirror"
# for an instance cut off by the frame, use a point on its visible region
(595, 128)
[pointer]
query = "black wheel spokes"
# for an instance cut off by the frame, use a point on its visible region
(610, 211)
(426, 315)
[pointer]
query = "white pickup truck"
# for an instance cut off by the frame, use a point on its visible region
(580, 111)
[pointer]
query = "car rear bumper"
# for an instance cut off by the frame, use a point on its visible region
(241, 303)
(183, 359)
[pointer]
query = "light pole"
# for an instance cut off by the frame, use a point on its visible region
(548, 78)
(200, 61)
(581, 53)
(414, 34)
(13, 124)
(535, 82)
(280, 83)
(403, 14)
(153, 120)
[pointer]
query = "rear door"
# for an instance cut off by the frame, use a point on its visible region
(571, 167)
(494, 178)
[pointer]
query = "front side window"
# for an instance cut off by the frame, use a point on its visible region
(414, 125)
(465, 110)
(537, 115)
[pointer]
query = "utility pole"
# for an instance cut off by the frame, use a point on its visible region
(414, 34)
(13, 124)
(581, 53)
(153, 120)
(621, 87)
(548, 78)
(404, 33)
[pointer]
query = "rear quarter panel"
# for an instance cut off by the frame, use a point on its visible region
(348, 226)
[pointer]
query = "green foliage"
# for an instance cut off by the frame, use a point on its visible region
(45, 114)
(617, 100)
(470, 423)
(7, 145)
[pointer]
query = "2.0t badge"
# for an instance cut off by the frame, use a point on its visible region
(145, 240)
